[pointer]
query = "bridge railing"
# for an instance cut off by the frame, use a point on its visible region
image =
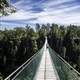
(64, 69)
(27, 70)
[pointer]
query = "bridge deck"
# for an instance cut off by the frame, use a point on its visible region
(46, 70)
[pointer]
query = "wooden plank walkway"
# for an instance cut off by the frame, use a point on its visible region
(46, 70)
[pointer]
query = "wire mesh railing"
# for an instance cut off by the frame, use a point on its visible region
(28, 69)
(64, 69)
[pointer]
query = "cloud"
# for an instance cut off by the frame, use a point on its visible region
(44, 11)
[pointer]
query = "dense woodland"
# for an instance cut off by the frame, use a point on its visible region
(19, 44)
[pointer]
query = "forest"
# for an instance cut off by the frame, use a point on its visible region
(19, 44)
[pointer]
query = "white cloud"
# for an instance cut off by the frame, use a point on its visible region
(20, 15)
(48, 15)
(51, 3)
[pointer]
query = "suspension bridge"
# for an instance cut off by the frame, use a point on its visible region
(46, 64)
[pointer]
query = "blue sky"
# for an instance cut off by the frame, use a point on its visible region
(43, 11)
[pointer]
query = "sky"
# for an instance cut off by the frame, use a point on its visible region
(43, 11)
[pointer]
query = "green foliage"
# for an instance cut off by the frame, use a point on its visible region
(4, 2)
(66, 42)
(19, 44)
